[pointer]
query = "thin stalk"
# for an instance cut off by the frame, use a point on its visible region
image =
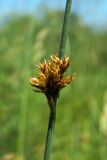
(50, 130)
(65, 28)
(52, 103)
(24, 96)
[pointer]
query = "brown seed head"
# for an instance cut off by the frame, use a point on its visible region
(51, 78)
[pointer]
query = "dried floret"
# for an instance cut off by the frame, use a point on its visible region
(52, 78)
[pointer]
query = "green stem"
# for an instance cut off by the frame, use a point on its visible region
(24, 96)
(65, 28)
(50, 130)
(52, 102)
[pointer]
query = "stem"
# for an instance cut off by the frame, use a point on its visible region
(51, 124)
(65, 28)
(52, 102)
(24, 96)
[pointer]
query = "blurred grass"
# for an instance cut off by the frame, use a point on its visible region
(25, 41)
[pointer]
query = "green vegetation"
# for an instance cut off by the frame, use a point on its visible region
(24, 42)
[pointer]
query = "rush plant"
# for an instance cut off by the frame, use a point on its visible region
(51, 79)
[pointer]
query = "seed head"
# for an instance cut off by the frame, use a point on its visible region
(51, 77)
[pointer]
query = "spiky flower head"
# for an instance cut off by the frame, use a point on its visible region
(51, 78)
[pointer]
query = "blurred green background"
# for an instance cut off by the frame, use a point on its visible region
(26, 38)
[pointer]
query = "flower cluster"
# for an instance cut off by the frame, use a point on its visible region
(51, 78)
